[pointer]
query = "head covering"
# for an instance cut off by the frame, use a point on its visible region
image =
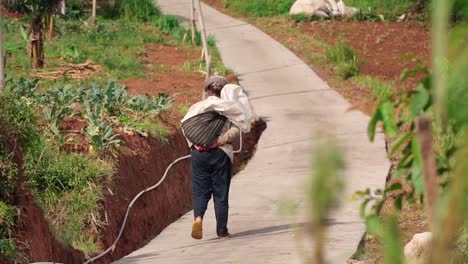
(219, 79)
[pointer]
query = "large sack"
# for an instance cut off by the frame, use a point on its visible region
(306, 7)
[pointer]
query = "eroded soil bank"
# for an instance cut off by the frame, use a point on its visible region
(141, 165)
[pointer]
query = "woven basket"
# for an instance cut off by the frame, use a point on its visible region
(204, 129)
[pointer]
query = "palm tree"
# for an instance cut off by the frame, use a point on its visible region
(37, 11)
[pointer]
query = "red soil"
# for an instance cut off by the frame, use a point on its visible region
(13, 15)
(385, 49)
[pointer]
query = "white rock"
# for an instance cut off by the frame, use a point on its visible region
(416, 251)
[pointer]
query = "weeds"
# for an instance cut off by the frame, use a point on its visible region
(139, 10)
(379, 88)
(67, 185)
(345, 58)
(260, 8)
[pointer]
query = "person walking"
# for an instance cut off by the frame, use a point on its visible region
(211, 169)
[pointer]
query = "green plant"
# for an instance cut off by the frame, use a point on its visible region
(346, 59)
(112, 99)
(183, 108)
(22, 87)
(8, 247)
(380, 89)
(76, 7)
(19, 119)
(37, 10)
(260, 7)
(100, 135)
(143, 106)
(67, 186)
(139, 10)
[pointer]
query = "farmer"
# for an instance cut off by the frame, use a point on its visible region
(211, 166)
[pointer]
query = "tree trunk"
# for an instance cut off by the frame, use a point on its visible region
(429, 167)
(49, 24)
(2, 56)
(37, 44)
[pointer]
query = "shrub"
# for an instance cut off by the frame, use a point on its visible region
(18, 118)
(67, 187)
(346, 59)
(57, 173)
(8, 246)
(76, 7)
(139, 10)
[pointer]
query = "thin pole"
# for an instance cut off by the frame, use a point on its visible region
(205, 41)
(192, 21)
(2, 56)
(63, 8)
(94, 8)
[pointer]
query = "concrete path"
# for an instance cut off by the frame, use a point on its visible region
(296, 103)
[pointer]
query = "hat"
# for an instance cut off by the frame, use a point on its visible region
(215, 79)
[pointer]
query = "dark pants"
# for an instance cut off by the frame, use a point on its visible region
(211, 174)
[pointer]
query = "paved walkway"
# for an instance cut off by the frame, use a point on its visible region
(296, 103)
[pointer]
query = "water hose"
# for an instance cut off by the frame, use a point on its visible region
(122, 227)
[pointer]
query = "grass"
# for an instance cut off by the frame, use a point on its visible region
(138, 10)
(68, 187)
(260, 8)
(345, 58)
(116, 45)
(390, 9)
(379, 88)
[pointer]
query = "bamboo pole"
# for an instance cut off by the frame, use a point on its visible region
(440, 27)
(63, 7)
(2, 56)
(94, 9)
(192, 22)
(204, 40)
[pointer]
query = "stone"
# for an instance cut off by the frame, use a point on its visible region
(417, 250)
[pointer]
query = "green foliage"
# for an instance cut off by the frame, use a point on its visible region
(380, 89)
(57, 173)
(260, 7)
(67, 186)
(8, 247)
(327, 181)
(18, 119)
(14, 6)
(346, 59)
(139, 10)
(183, 108)
(388, 232)
(76, 7)
(36, 9)
(144, 106)
(390, 9)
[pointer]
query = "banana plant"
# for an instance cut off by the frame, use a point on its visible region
(37, 11)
